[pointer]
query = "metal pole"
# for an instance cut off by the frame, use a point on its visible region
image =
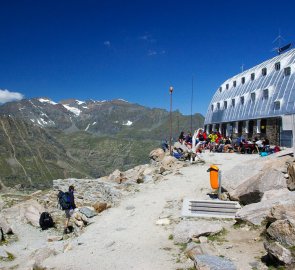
(170, 144)
(219, 184)
(192, 104)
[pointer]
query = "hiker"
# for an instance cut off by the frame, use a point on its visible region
(181, 137)
(164, 145)
(69, 212)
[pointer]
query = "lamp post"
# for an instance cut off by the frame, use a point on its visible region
(170, 143)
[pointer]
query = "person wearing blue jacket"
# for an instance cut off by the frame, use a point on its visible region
(69, 212)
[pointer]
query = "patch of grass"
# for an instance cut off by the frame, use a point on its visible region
(219, 237)
(167, 248)
(170, 237)
(182, 246)
(9, 258)
(276, 268)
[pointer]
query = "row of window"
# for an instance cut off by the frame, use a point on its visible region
(265, 95)
(287, 72)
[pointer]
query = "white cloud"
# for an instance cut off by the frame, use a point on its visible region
(148, 38)
(151, 53)
(6, 96)
(107, 43)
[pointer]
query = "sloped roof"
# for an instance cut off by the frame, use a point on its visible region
(281, 89)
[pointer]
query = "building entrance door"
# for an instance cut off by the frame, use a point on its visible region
(251, 128)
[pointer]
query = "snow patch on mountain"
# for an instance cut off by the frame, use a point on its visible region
(74, 110)
(128, 123)
(79, 102)
(47, 101)
(87, 127)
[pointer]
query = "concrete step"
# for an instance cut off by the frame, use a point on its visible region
(209, 208)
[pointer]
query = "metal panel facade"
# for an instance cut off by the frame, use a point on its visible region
(264, 96)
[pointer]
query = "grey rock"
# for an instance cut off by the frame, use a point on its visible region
(291, 173)
(89, 213)
(270, 194)
(254, 178)
(278, 212)
(186, 230)
(255, 213)
(41, 254)
(278, 251)
(209, 262)
(283, 231)
(253, 190)
(157, 154)
(6, 227)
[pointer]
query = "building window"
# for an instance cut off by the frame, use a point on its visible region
(265, 94)
(212, 107)
(235, 83)
(277, 105)
(243, 80)
(264, 71)
(277, 66)
(218, 106)
(225, 105)
(227, 86)
(233, 102)
(242, 100)
(253, 97)
(287, 71)
(252, 76)
(220, 89)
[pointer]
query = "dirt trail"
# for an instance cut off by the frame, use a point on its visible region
(127, 237)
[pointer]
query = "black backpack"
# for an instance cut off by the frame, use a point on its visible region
(46, 221)
(64, 200)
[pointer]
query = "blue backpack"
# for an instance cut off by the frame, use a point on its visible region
(64, 201)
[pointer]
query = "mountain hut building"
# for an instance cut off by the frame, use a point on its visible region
(259, 102)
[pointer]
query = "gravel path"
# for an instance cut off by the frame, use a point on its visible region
(127, 237)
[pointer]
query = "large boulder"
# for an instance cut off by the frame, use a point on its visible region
(209, 262)
(28, 211)
(291, 173)
(270, 194)
(186, 230)
(117, 176)
(100, 206)
(255, 213)
(249, 181)
(279, 212)
(281, 253)
(253, 190)
(89, 212)
(283, 231)
(157, 154)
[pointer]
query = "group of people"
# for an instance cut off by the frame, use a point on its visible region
(189, 145)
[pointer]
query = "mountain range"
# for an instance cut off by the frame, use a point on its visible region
(42, 140)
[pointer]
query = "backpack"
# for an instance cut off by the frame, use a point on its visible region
(46, 221)
(64, 200)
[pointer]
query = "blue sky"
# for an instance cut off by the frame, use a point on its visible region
(135, 50)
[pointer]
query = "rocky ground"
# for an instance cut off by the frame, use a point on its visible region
(132, 219)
